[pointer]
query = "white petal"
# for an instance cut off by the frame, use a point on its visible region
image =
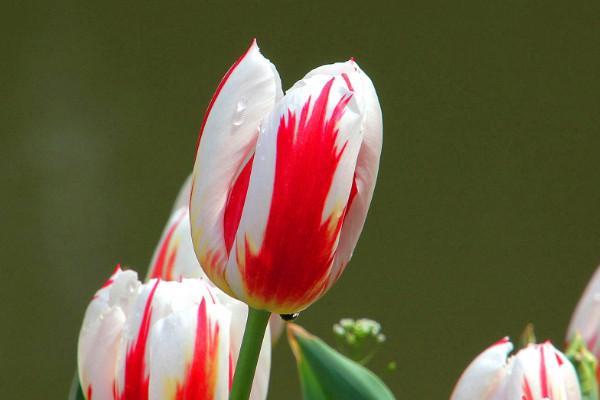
(367, 166)
(484, 376)
(249, 90)
(100, 335)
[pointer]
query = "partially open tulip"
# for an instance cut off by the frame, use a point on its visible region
(586, 318)
(536, 372)
(282, 184)
(161, 340)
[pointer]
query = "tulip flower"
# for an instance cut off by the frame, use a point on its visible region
(586, 318)
(539, 371)
(162, 340)
(282, 184)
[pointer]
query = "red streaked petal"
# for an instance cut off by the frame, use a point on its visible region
(201, 374)
(536, 373)
(365, 174)
(136, 378)
(174, 257)
(299, 186)
(101, 332)
(227, 138)
(235, 204)
(163, 260)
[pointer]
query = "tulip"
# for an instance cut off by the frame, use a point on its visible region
(586, 318)
(282, 184)
(539, 371)
(162, 340)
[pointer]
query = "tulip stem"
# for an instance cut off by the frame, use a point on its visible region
(251, 345)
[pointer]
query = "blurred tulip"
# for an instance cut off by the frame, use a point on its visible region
(539, 371)
(174, 256)
(282, 184)
(162, 340)
(586, 318)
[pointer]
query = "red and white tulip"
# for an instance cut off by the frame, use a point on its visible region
(586, 318)
(162, 340)
(282, 184)
(536, 372)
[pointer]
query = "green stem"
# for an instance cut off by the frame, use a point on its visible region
(251, 344)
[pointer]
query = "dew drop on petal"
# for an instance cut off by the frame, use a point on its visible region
(242, 104)
(239, 119)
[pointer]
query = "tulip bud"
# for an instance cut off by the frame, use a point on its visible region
(160, 340)
(537, 372)
(282, 184)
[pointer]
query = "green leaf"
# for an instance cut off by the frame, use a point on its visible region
(326, 374)
(585, 364)
(75, 393)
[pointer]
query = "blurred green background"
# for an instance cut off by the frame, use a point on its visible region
(486, 215)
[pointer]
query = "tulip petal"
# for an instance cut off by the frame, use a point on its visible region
(365, 174)
(537, 374)
(174, 257)
(485, 374)
(227, 138)
(299, 187)
(569, 377)
(367, 164)
(101, 332)
(186, 349)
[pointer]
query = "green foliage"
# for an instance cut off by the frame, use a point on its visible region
(585, 364)
(325, 374)
(358, 340)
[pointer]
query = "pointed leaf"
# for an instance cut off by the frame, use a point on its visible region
(326, 374)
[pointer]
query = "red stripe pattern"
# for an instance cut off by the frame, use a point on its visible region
(201, 374)
(536, 372)
(136, 374)
(159, 320)
(291, 267)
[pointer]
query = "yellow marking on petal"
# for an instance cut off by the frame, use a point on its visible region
(336, 213)
(169, 388)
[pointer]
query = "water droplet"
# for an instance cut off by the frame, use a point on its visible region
(239, 119)
(242, 104)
